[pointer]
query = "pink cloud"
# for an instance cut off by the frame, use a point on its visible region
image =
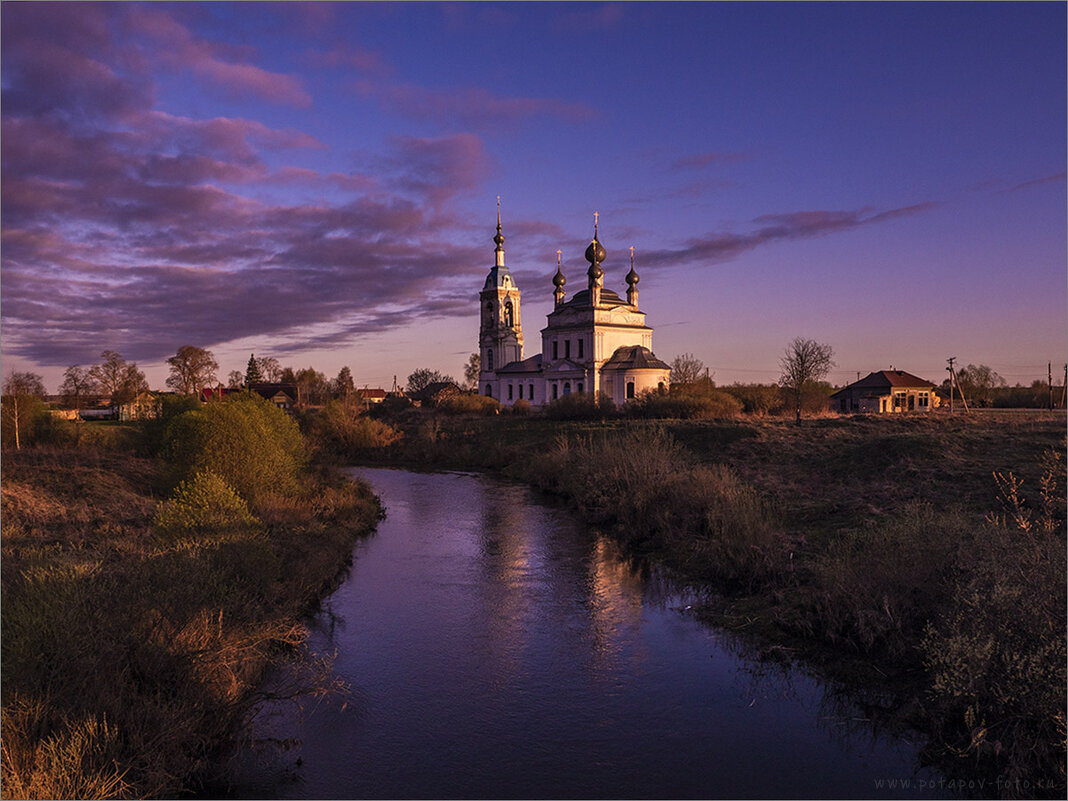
(440, 168)
(176, 45)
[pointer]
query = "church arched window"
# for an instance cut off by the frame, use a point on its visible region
(579, 389)
(630, 390)
(489, 313)
(554, 391)
(489, 359)
(489, 390)
(508, 314)
(567, 387)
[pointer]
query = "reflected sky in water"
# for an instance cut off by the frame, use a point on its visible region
(496, 649)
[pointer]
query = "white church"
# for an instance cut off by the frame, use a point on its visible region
(594, 342)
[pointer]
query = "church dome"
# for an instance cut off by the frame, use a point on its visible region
(632, 277)
(558, 279)
(595, 252)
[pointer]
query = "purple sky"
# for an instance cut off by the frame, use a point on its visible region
(318, 183)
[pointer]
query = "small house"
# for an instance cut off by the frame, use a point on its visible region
(886, 392)
(435, 393)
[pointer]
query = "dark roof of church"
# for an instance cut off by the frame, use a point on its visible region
(886, 380)
(634, 357)
(531, 365)
(608, 298)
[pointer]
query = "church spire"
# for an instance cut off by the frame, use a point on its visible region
(632, 282)
(499, 238)
(595, 254)
(559, 280)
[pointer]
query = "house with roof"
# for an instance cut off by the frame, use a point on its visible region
(886, 392)
(596, 341)
(435, 393)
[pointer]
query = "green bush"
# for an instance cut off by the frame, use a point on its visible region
(204, 505)
(248, 442)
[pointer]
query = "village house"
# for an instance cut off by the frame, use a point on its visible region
(435, 393)
(594, 342)
(886, 391)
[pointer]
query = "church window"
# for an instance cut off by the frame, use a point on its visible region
(508, 314)
(489, 313)
(579, 389)
(556, 349)
(489, 359)
(567, 348)
(630, 390)
(554, 391)
(660, 387)
(489, 390)
(509, 392)
(530, 394)
(567, 387)
(581, 340)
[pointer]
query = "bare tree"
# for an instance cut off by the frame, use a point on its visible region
(471, 371)
(78, 384)
(235, 380)
(270, 369)
(192, 369)
(686, 369)
(978, 382)
(804, 361)
(423, 377)
(117, 378)
(22, 392)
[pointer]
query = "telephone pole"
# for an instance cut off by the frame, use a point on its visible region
(954, 383)
(1049, 383)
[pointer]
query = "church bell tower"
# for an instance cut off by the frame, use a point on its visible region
(500, 333)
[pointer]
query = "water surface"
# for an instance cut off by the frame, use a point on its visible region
(495, 648)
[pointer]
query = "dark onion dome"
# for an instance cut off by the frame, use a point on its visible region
(632, 277)
(595, 252)
(499, 237)
(596, 271)
(558, 279)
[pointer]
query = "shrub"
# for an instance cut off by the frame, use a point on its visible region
(248, 442)
(345, 430)
(203, 505)
(758, 399)
(521, 406)
(470, 403)
(699, 401)
(581, 406)
(996, 654)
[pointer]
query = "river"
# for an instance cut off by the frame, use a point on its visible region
(496, 648)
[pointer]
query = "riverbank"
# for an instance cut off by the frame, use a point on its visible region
(884, 544)
(133, 656)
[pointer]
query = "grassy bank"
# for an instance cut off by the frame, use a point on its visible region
(929, 550)
(138, 620)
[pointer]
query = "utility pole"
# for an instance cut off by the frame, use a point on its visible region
(1064, 386)
(1049, 383)
(953, 382)
(949, 370)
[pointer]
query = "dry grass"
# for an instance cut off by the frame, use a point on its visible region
(130, 660)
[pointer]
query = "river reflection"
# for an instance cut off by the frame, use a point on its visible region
(497, 649)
